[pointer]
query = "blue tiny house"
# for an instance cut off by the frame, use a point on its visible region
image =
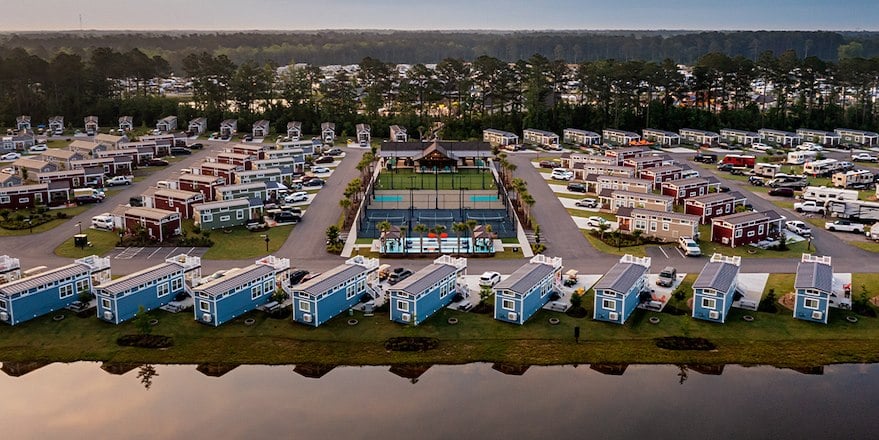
(319, 299)
(119, 299)
(715, 288)
(239, 291)
(814, 290)
(418, 297)
(527, 289)
(617, 293)
(45, 292)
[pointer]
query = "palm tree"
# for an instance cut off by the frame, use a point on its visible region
(420, 228)
(346, 206)
(471, 225)
(602, 228)
(459, 228)
(636, 234)
(528, 200)
(383, 227)
(438, 230)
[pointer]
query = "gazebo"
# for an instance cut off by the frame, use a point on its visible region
(393, 240)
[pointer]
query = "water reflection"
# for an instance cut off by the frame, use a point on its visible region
(447, 401)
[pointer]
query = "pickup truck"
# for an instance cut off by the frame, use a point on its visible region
(119, 180)
(844, 226)
(809, 206)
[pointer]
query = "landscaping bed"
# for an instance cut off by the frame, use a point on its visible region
(685, 343)
(411, 343)
(145, 341)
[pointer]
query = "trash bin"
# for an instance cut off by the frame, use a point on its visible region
(515, 250)
(80, 240)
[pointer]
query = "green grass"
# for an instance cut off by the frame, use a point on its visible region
(870, 246)
(102, 242)
(638, 251)
(510, 240)
(405, 179)
(240, 243)
(581, 213)
(71, 212)
(363, 240)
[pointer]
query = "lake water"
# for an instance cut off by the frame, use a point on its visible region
(468, 401)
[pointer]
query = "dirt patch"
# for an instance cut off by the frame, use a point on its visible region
(578, 312)
(280, 313)
(411, 343)
(87, 313)
(684, 343)
(788, 301)
(483, 308)
(672, 310)
(145, 341)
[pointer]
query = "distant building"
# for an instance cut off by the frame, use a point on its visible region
(576, 136)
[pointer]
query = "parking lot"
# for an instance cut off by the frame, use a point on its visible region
(154, 253)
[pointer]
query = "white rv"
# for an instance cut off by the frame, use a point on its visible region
(824, 167)
(822, 194)
(857, 210)
(801, 157)
(853, 179)
(766, 169)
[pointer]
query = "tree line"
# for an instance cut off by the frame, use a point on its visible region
(539, 92)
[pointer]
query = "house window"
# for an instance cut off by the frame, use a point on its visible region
(738, 233)
(256, 292)
(206, 217)
(105, 303)
(709, 303)
(760, 229)
(267, 286)
(403, 306)
(728, 209)
(162, 290)
(508, 304)
(751, 233)
(24, 200)
(444, 290)
(4, 199)
(811, 303)
(177, 284)
(652, 226)
(204, 306)
(82, 285)
(3, 305)
(240, 215)
(609, 304)
(305, 306)
(66, 291)
(664, 226)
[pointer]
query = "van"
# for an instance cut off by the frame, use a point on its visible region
(104, 221)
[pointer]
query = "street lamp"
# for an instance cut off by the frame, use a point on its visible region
(266, 238)
(30, 224)
(79, 224)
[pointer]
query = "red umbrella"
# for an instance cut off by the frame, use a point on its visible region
(431, 235)
(444, 235)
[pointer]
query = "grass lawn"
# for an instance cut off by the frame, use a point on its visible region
(364, 240)
(102, 242)
(510, 240)
(243, 244)
(870, 246)
(638, 251)
(576, 196)
(581, 213)
(71, 212)
(404, 179)
(772, 338)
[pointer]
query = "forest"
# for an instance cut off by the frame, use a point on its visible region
(781, 89)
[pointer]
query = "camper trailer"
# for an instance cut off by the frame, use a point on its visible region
(822, 194)
(820, 168)
(856, 210)
(766, 169)
(853, 179)
(801, 157)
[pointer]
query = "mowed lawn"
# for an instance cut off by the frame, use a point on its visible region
(406, 179)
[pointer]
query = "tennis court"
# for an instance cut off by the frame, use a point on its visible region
(409, 179)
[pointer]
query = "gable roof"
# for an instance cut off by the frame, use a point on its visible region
(330, 279)
(717, 275)
(525, 277)
(814, 275)
(234, 278)
(424, 278)
(135, 279)
(621, 277)
(27, 283)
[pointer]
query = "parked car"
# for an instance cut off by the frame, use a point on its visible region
(85, 200)
(325, 159)
(724, 167)
(298, 196)
(864, 157)
(809, 206)
(282, 217)
(399, 274)
(38, 148)
(119, 180)
(587, 203)
(705, 158)
(255, 225)
(561, 174)
(8, 170)
(10, 156)
(313, 183)
(158, 163)
(549, 164)
(689, 247)
(760, 146)
(577, 187)
(334, 152)
(177, 151)
(297, 276)
(667, 277)
(595, 221)
(781, 192)
(489, 279)
(196, 146)
(798, 227)
(103, 221)
(756, 180)
(844, 166)
(514, 147)
(844, 226)
(320, 170)
(248, 137)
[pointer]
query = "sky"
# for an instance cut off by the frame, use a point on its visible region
(440, 14)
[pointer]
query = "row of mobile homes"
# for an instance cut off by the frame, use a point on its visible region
(819, 137)
(399, 134)
(699, 137)
(119, 300)
(239, 291)
(37, 295)
(418, 297)
(816, 290)
(853, 179)
(743, 137)
(319, 299)
(660, 225)
(618, 292)
(715, 288)
(616, 199)
(713, 205)
(686, 188)
(527, 289)
(619, 137)
(779, 137)
(224, 214)
(865, 138)
(743, 228)
(294, 130)
(575, 136)
(661, 137)
(540, 138)
(499, 138)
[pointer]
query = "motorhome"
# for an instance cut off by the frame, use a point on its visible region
(822, 194)
(739, 160)
(766, 169)
(853, 179)
(824, 167)
(801, 157)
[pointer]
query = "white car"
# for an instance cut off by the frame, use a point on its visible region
(864, 157)
(595, 221)
(844, 226)
(489, 279)
(10, 156)
(119, 180)
(299, 196)
(798, 227)
(760, 146)
(562, 174)
(103, 221)
(689, 247)
(320, 170)
(809, 146)
(8, 170)
(587, 203)
(38, 148)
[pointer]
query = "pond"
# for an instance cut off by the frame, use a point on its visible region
(436, 402)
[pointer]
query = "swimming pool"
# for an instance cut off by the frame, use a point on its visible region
(483, 198)
(388, 198)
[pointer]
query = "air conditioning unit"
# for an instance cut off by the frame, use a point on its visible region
(512, 316)
(714, 314)
(206, 317)
(406, 317)
(817, 315)
(4, 316)
(306, 317)
(108, 315)
(613, 316)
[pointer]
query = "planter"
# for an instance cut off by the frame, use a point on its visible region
(654, 320)
(748, 318)
(249, 321)
(453, 321)
(57, 317)
(554, 321)
(352, 322)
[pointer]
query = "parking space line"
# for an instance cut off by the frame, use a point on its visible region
(663, 252)
(681, 253)
(171, 253)
(154, 253)
(190, 251)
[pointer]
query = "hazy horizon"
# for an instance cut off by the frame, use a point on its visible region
(452, 15)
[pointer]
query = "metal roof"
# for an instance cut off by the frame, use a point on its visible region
(234, 279)
(150, 213)
(814, 275)
(525, 277)
(631, 212)
(221, 204)
(717, 197)
(25, 284)
(717, 275)
(330, 279)
(129, 281)
(621, 277)
(425, 278)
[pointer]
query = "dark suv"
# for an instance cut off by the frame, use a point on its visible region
(577, 187)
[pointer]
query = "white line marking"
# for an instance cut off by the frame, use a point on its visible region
(681, 253)
(154, 253)
(663, 252)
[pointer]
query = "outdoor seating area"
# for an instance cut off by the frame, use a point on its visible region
(437, 245)
(502, 225)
